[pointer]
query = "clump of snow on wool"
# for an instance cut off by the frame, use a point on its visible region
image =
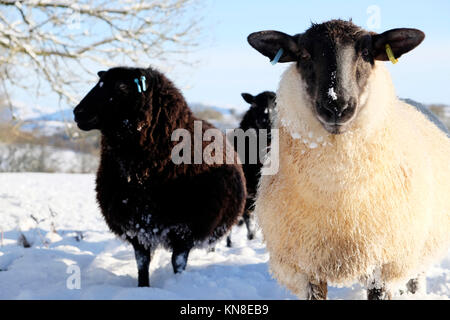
(310, 142)
(332, 94)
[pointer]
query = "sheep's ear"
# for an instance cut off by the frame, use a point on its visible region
(270, 42)
(248, 97)
(101, 73)
(401, 41)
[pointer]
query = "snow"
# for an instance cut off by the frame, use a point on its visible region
(69, 238)
(308, 142)
(332, 94)
(296, 135)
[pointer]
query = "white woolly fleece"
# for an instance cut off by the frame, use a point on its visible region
(343, 206)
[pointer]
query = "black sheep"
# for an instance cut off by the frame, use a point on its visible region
(144, 196)
(257, 117)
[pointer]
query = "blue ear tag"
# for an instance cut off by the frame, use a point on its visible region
(144, 85)
(138, 85)
(277, 57)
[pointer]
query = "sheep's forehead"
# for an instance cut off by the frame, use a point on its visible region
(336, 53)
(335, 60)
(335, 40)
(335, 30)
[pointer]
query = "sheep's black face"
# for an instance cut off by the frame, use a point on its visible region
(112, 102)
(262, 105)
(335, 65)
(335, 60)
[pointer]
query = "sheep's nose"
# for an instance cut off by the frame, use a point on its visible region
(78, 110)
(337, 111)
(78, 113)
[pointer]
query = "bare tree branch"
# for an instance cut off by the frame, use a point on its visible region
(59, 42)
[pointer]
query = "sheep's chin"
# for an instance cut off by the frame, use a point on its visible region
(88, 125)
(335, 128)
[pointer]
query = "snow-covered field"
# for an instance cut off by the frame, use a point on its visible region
(67, 229)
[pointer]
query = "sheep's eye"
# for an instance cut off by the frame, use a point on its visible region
(304, 55)
(122, 87)
(365, 52)
(100, 84)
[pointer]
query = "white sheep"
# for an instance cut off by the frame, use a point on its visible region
(362, 191)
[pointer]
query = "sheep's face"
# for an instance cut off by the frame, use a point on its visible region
(335, 59)
(263, 106)
(112, 102)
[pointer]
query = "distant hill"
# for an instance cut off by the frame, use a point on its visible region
(198, 106)
(39, 120)
(58, 121)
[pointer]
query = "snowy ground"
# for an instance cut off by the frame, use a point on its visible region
(66, 204)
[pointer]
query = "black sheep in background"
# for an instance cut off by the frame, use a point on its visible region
(257, 117)
(144, 196)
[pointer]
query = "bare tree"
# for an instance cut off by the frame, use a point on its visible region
(56, 44)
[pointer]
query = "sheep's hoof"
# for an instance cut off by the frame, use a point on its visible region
(317, 290)
(229, 243)
(179, 260)
(378, 294)
(412, 286)
(143, 278)
(144, 284)
(417, 284)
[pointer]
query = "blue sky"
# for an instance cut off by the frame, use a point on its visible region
(228, 65)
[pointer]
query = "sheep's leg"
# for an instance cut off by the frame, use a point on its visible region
(417, 285)
(250, 233)
(247, 219)
(143, 256)
(180, 256)
(229, 242)
(378, 292)
(317, 290)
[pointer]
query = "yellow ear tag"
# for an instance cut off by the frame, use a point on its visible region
(390, 54)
